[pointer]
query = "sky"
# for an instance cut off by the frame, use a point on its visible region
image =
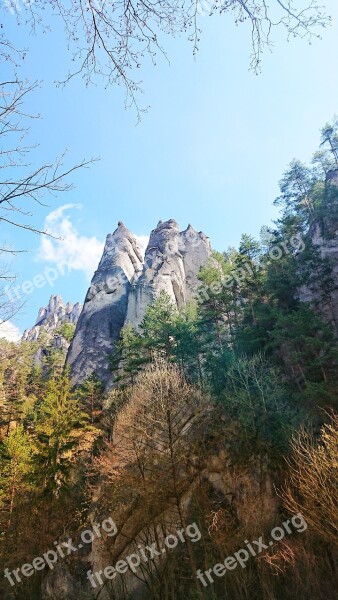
(210, 150)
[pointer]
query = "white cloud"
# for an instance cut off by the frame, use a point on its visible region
(142, 241)
(9, 331)
(78, 252)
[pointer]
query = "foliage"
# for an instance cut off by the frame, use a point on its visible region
(16, 467)
(255, 395)
(91, 397)
(58, 428)
(67, 331)
(206, 419)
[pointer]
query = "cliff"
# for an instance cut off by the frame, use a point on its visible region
(51, 317)
(322, 293)
(125, 283)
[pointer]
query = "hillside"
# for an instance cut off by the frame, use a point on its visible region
(186, 447)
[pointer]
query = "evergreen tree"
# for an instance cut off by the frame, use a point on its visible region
(255, 395)
(129, 357)
(67, 331)
(188, 349)
(296, 192)
(15, 366)
(15, 472)
(91, 397)
(219, 293)
(158, 325)
(60, 424)
(329, 139)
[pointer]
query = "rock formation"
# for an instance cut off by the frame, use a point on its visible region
(171, 263)
(323, 234)
(105, 306)
(124, 284)
(51, 317)
(47, 331)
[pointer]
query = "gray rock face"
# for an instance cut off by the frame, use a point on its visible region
(51, 317)
(105, 307)
(332, 177)
(125, 284)
(324, 236)
(171, 263)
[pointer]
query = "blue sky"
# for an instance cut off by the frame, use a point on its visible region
(210, 150)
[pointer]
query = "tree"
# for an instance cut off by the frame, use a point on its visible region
(153, 441)
(329, 138)
(189, 347)
(247, 263)
(60, 425)
(15, 393)
(217, 309)
(15, 470)
(312, 483)
(91, 397)
(158, 323)
(256, 397)
(296, 187)
(29, 184)
(307, 347)
(111, 39)
(164, 332)
(67, 331)
(130, 355)
(155, 338)
(20, 184)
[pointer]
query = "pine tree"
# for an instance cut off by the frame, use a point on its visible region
(130, 355)
(329, 139)
(15, 471)
(91, 397)
(296, 188)
(158, 325)
(188, 349)
(218, 295)
(60, 424)
(15, 365)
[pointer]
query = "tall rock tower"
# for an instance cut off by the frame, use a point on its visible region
(105, 307)
(125, 284)
(171, 263)
(51, 317)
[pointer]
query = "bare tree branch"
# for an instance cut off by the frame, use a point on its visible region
(24, 182)
(31, 185)
(111, 39)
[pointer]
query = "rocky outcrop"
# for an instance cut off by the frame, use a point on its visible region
(51, 317)
(124, 284)
(171, 263)
(323, 235)
(105, 306)
(47, 331)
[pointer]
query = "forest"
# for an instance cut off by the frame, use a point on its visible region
(222, 414)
